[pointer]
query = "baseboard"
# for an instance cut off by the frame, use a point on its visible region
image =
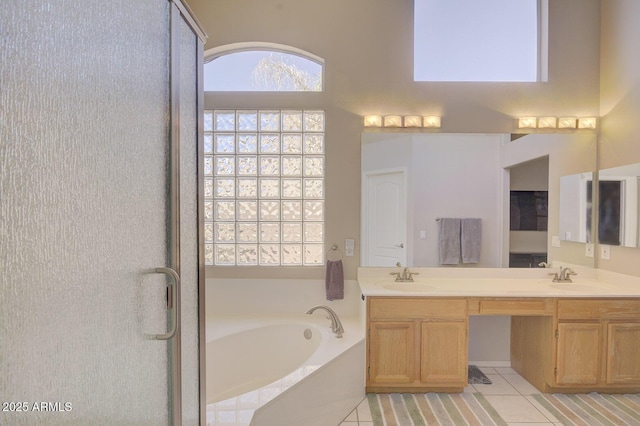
(491, 363)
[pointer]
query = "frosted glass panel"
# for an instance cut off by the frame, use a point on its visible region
(247, 165)
(189, 116)
(292, 166)
(225, 120)
(292, 144)
(291, 121)
(247, 121)
(85, 106)
(269, 144)
(269, 121)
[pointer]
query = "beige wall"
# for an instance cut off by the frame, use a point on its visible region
(367, 46)
(620, 104)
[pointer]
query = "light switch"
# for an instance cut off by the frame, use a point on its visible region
(349, 245)
(423, 234)
(555, 241)
(605, 252)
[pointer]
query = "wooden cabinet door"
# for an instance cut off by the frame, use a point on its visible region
(623, 353)
(579, 349)
(443, 353)
(391, 352)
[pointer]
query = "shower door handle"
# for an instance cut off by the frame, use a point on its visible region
(172, 304)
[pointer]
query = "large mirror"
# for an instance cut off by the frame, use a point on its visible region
(411, 180)
(576, 194)
(618, 204)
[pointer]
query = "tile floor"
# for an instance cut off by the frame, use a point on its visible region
(509, 394)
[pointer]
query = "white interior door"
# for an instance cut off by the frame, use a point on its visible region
(385, 218)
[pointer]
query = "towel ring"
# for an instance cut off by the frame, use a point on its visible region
(334, 249)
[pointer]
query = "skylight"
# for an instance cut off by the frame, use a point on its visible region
(471, 40)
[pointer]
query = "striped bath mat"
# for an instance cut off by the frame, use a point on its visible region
(592, 409)
(407, 409)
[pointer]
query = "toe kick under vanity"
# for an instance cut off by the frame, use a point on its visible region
(565, 337)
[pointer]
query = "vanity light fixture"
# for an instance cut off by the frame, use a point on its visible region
(567, 122)
(408, 121)
(555, 122)
(527, 123)
(412, 121)
(587, 123)
(392, 121)
(372, 121)
(431, 121)
(547, 122)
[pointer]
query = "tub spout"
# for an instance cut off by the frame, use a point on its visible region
(336, 325)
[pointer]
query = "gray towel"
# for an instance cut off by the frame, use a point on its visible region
(449, 241)
(471, 239)
(334, 280)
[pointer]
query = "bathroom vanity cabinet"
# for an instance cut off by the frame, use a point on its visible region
(597, 344)
(419, 344)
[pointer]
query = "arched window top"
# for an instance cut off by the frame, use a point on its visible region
(262, 67)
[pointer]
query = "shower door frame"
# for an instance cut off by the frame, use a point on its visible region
(181, 12)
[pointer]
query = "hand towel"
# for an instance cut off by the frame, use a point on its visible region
(334, 280)
(449, 241)
(471, 239)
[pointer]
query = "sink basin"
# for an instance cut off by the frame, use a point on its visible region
(410, 287)
(578, 286)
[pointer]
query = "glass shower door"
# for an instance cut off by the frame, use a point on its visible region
(85, 213)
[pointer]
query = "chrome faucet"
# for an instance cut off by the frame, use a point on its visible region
(564, 276)
(336, 325)
(406, 276)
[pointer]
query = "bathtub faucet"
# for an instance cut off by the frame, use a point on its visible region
(336, 325)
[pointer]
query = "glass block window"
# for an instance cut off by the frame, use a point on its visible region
(264, 187)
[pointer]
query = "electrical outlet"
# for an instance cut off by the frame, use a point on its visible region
(555, 241)
(605, 252)
(589, 250)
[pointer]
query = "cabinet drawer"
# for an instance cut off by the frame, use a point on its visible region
(599, 309)
(515, 307)
(408, 308)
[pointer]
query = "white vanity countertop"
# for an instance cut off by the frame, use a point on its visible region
(497, 282)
